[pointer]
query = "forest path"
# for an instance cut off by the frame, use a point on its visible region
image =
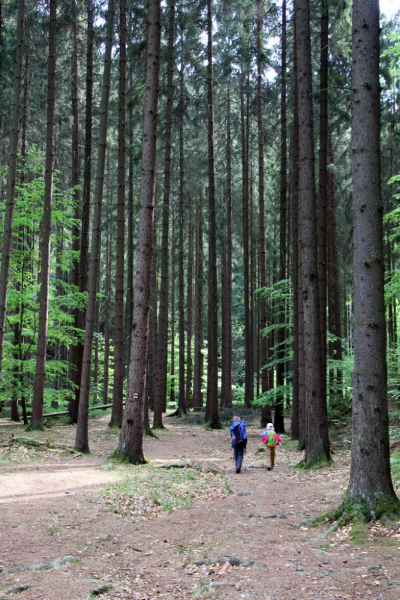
(58, 541)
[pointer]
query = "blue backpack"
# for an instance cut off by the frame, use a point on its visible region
(238, 431)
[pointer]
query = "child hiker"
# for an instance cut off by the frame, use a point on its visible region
(239, 441)
(270, 439)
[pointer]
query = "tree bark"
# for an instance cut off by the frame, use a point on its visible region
(82, 437)
(131, 439)
(212, 383)
(80, 316)
(75, 180)
(118, 390)
(295, 278)
(107, 293)
(162, 349)
(248, 384)
(172, 359)
(189, 308)
(335, 326)
(43, 296)
(370, 482)
(261, 211)
(317, 441)
(228, 280)
(281, 304)
(198, 313)
(11, 175)
(181, 278)
(152, 330)
(130, 262)
(323, 183)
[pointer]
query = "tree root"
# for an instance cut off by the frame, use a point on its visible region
(43, 566)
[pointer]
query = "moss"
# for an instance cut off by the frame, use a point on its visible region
(87, 452)
(35, 428)
(104, 589)
(115, 424)
(328, 517)
(318, 462)
(142, 460)
(210, 425)
(149, 433)
(359, 533)
(158, 427)
(363, 510)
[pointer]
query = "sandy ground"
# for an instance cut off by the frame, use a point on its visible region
(58, 541)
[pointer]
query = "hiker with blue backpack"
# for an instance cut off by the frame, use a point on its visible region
(271, 440)
(239, 441)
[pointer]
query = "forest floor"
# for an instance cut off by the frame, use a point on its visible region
(74, 527)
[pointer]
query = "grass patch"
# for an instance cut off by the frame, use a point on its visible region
(104, 589)
(35, 428)
(359, 533)
(148, 492)
(314, 464)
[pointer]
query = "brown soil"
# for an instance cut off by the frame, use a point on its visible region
(51, 508)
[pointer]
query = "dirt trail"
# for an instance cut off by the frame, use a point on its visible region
(59, 542)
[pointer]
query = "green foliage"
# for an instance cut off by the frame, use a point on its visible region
(22, 303)
(340, 393)
(280, 298)
(395, 467)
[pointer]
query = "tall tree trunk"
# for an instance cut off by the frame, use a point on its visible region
(96, 353)
(80, 317)
(317, 440)
(130, 266)
(335, 325)
(172, 359)
(246, 275)
(75, 180)
(152, 330)
(82, 437)
(228, 273)
(107, 293)
(222, 233)
(323, 183)
(212, 383)
(43, 296)
(11, 175)
(189, 307)
(299, 400)
(295, 276)
(162, 348)
(370, 487)
(118, 390)
(198, 313)
(181, 279)
(131, 438)
(266, 413)
(281, 304)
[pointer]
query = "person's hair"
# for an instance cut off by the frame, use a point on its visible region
(236, 419)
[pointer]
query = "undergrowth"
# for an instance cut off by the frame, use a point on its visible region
(148, 491)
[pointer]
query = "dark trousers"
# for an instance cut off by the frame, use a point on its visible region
(238, 453)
